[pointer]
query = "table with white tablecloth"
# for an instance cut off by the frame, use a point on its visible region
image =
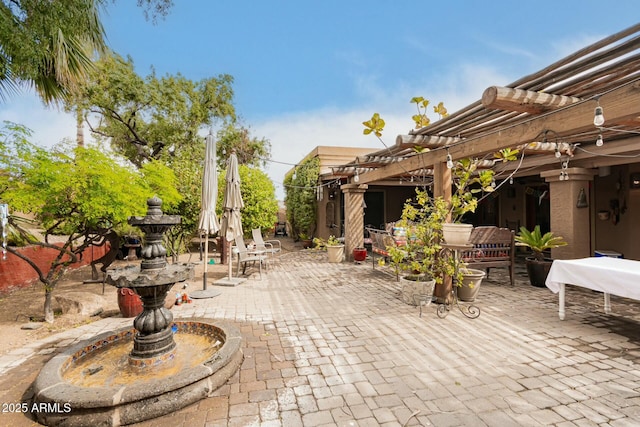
(612, 276)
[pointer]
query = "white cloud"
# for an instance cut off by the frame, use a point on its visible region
(49, 125)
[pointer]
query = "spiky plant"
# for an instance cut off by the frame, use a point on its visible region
(538, 242)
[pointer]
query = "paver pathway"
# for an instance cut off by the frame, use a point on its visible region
(333, 344)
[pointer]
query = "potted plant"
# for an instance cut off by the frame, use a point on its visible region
(468, 181)
(335, 249)
(538, 266)
(418, 261)
(306, 240)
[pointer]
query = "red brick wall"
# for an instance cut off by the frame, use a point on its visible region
(16, 273)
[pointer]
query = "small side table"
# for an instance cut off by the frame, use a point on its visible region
(469, 310)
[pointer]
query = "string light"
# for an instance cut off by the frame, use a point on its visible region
(599, 141)
(564, 175)
(511, 180)
(558, 154)
(356, 177)
(449, 161)
(598, 116)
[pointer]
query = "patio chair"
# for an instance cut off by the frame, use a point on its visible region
(269, 246)
(246, 256)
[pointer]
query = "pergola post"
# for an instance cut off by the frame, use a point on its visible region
(353, 217)
(442, 184)
(570, 221)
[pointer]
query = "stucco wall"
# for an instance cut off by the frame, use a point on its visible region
(16, 273)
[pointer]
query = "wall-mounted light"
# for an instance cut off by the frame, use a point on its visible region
(582, 199)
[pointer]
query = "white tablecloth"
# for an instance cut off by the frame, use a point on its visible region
(614, 276)
(608, 275)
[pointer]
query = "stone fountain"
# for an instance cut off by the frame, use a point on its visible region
(156, 367)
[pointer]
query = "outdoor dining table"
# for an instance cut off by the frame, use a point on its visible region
(612, 276)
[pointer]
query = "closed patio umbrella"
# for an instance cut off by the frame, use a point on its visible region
(231, 224)
(208, 221)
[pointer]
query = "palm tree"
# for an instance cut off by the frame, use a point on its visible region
(48, 45)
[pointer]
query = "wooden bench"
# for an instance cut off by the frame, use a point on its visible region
(492, 247)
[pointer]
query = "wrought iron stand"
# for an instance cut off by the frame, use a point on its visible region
(469, 310)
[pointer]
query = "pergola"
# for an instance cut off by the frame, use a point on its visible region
(544, 113)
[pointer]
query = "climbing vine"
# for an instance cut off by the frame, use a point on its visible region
(300, 197)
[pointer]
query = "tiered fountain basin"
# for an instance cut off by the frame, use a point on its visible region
(97, 383)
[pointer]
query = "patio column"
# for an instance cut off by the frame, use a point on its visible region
(568, 220)
(442, 182)
(353, 217)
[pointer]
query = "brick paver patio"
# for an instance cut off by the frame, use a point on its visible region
(333, 345)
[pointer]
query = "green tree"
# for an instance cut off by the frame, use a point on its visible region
(151, 117)
(259, 197)
(249, 150)
(79, 193)
(50, 45)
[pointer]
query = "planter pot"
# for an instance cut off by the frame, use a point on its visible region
(456, 233)
(306, 243)
(416, 288)
(359, 254)
(336, 253)
(538, 271)
(129, 302)
(470, 286)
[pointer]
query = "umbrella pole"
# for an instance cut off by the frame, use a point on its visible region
(230, 267)
(206, 260)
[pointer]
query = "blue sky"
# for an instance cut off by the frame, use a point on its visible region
(309, 73)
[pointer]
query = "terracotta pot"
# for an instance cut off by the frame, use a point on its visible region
(307, 243)
(359, 254)
(129, 302)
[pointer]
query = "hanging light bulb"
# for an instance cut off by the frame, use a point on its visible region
(599, 141)
(356, 177)
(449, 161)
(511, 180)
(558, 154)
(598, 117)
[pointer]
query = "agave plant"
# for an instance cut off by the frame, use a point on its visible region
(538, 242)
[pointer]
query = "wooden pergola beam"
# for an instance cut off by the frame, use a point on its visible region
(429, 141)
(524, 101)
(619, 104)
